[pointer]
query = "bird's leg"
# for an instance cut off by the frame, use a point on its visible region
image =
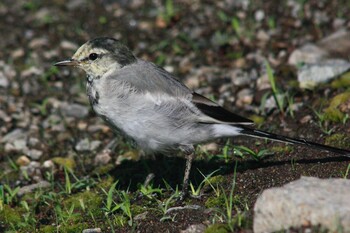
(189, 159)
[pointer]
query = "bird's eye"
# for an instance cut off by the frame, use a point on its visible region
(93, 56)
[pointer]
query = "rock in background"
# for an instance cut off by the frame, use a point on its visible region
(306, 202)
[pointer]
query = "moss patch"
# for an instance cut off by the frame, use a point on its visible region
(258, 120)
(11, 216)
(215, 180)
(105, 183)
(102, 170)
(64, 162)
(343, 81)
(217, 228)
(333, 113)
(215, 202)
(73, 228)
(338, 140)
(47, 229)
(87, 200)
(282, 149)
(137, 209)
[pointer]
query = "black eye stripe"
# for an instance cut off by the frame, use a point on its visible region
(84, 59)
(89, 58)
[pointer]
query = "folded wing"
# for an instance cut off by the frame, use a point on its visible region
(217, 112)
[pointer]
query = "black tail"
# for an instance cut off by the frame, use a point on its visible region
(276, 137)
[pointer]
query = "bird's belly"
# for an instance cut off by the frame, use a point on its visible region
(152, 132)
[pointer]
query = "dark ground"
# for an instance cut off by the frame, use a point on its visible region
(201, 43)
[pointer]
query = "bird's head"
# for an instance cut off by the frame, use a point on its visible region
(99, 55)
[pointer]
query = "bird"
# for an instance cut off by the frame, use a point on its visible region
(154, 109)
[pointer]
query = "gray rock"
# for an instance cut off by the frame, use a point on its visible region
(338, 43)
(20, 145)
(39, 42)
(4, 82)
(242, 78)
(263, 82)
(30, 188)
(14, 135)
(103, 158)
(244, 97)
(311, 201)
(33, 141)
(186, 207)
(338, 23)
(34, 154)
(270, 102)
(9, 147)
(141, 216)
(74, 110)
(32, 71)
(17, 53)
(95, 144)
(311, 75)
(259, 15)
(68, 45)
(7, 70)
(334, 45)
(262, 35)
(83, 145)
(96, 127)
(50, 54)
(75, 4)
(48, 164)
(92, 230)
(54, 122)
(32, 172)
(195, 228)
(4, 117)
(309, 53)
(86, 145)
(30, 86)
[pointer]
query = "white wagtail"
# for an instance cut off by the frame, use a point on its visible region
(156, 110)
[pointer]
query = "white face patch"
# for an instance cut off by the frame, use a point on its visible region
(94, 68)
(85, 50)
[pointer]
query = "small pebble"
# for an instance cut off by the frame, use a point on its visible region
(34, 154)
(17, 53)
(32, 71)
(259, 15)
(32, 169)
(4, 82)
(74, 110)
(92, 230)
(22, 161)
(30, 188)
(95, 144)
(195, 228)
(68, 45)
(141, 216)
(209, 147)
(103, 158)
(13, 135)
(48, 164)
(305, 119)
(83, 145)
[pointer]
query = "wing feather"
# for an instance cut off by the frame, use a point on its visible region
(217, 112)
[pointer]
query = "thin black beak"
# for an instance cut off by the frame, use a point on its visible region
(70, 62)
